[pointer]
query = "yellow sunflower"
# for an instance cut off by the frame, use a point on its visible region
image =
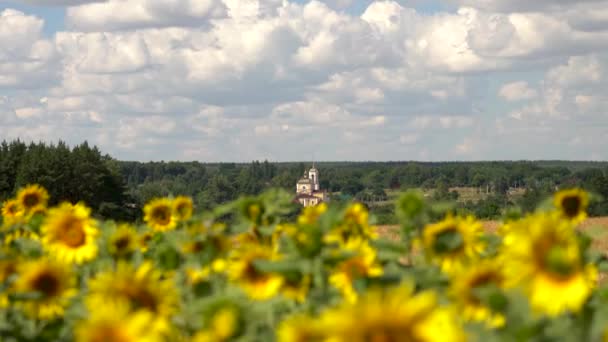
(115, 322)
(144, 240)
(183, 207)
(310, 215)
(362, 264)
(222, 323)
(300, 328)
(20, 233)
(32, 196)
(69, 234)
(241, 270)
(394, 314)
(8, 267)
(453, 242)
(296, 287)
(123, 242)
(12, 212)
(542, 255)
(37, 210)
(572, 204)
(141, 288)
(53, 283)
(462, 291)
(354, 225)
(159, 215)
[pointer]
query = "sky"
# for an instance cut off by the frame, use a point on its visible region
(295, 80)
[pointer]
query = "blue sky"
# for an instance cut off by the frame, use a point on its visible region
(218, 80)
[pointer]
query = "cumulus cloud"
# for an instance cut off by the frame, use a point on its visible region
(26, 58)
(59, 2)
(129, 14)
(517, 91)
(521, 5)
(245, 79)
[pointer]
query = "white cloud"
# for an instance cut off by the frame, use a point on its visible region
(521, 5)
(242, 79)
(517, 91)
(132, 14)
(26, 58)
(60, 2)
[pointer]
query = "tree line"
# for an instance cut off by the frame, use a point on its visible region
(118, 189)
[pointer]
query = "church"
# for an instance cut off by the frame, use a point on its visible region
(308, 190)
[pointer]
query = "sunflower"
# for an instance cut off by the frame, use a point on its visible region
(223, 321)
(296, 287)
(144, 239)
(310, 215)
(159, 215)
(464, 284)
(123, 242)
(8, 267)
(139, 288)
(257, 284)
(453, 242)
(53, 283)
(300, 328)
(20, 233)
(354, 225)
(183, 207)
(69, 234)
(12, 212)
(394, 314)
(542, 256)
(37, 210)
(572, 204)
(116, 323)
(362, 264)
(32, 196)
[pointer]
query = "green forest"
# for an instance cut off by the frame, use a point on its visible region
(118, 189)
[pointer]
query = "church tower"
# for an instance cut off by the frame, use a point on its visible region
(308, 189)
(313, 175)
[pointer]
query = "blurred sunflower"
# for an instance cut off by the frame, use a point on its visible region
(123, 241)
(394, 314)
(8, 267)
(257, 284)
(32, 196)
(296, 286)
(20, 233)
(465, 283)
(144, 240)
(300, 328)
(52, 285)
(310, 215)
(12, 212)
(117, 324)
(69, 233)
(453, 242)
(139, 288)
(37, 210)
(183, 207)
(159, 215)
(572, 204)
(223, 321)
(354, 225)
(542, 255)
(362, 264)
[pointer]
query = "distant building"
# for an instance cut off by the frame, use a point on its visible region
(308, 190)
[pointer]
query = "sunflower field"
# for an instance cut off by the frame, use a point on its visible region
(327, 275)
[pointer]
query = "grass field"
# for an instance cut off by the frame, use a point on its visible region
(465, 194)
(595, 227)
